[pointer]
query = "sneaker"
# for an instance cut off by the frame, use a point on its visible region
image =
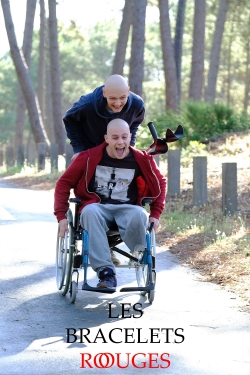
(107, 279)
(115, 260)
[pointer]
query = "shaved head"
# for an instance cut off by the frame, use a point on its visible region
(116, 91)
(117, 124)
(115, 82)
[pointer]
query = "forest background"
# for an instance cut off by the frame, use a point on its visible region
(190, 63)
(191, 66)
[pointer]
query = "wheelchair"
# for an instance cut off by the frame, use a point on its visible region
(70, 259)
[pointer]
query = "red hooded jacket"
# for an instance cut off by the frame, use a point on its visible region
(80, 172)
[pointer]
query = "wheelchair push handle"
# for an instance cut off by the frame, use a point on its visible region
(152, 130)
(160, 145)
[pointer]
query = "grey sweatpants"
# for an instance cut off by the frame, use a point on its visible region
(96, 218)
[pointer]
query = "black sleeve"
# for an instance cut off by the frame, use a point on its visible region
(73, 121)
(134, 127)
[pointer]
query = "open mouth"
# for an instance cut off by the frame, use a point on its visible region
(120, 151)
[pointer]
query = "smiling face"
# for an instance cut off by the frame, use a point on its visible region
(116, 91)
(118, 138)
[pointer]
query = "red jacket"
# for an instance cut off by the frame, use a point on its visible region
(79, 173)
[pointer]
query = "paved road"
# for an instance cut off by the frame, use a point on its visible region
(34, 315)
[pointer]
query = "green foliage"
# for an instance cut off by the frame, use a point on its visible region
(153, 66)
(153, 84)
(100, 48)
(85, 58)
(8, 83)
(206, 120)
(10, 171)
(169, 120)
(85, 63)
(201, 121)
(7, 125)
(8, 97)
(194, 148)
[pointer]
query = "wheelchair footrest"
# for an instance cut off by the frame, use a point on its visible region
(86, 286)
(138, 288)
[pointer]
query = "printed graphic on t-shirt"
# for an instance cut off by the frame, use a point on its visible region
(113, 183)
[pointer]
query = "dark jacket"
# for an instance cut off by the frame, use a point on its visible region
(86, 121)
(79, 173)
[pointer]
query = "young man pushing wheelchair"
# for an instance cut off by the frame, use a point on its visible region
(111, 180)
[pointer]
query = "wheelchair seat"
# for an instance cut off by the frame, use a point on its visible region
(113, 230)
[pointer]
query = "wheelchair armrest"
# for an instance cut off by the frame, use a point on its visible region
(75, 200)
(146, 201)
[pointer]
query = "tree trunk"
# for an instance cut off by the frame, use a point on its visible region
(178, 43)
(122, 42)
(215, 51)
(24, 78)
(136, 72)
(168, 58)
(197, 69)
(48, 104)
(21, 106)
(48, 97)
(41, 62)
(247, 79)
(60, 132)
(44, 75)
(229, 64)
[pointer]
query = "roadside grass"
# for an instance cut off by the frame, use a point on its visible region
(29, 176)
(217, 246)
(203, 238)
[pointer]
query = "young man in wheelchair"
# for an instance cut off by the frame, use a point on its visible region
(111, 180)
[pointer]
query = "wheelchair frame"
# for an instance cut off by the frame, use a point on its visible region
(69, 259)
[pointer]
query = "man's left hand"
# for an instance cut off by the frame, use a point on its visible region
(63, 227)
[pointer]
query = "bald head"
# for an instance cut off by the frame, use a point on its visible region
(115, 82)
(117, 125)
(116, 91)
(118, 138)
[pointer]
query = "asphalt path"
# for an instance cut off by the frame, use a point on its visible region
(196, 326)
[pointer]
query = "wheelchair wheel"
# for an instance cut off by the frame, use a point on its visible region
(153, 247)
(61, 258)
(151, 293)
(64, 257)
(73, 291)
(142, 276)
(142, 271)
